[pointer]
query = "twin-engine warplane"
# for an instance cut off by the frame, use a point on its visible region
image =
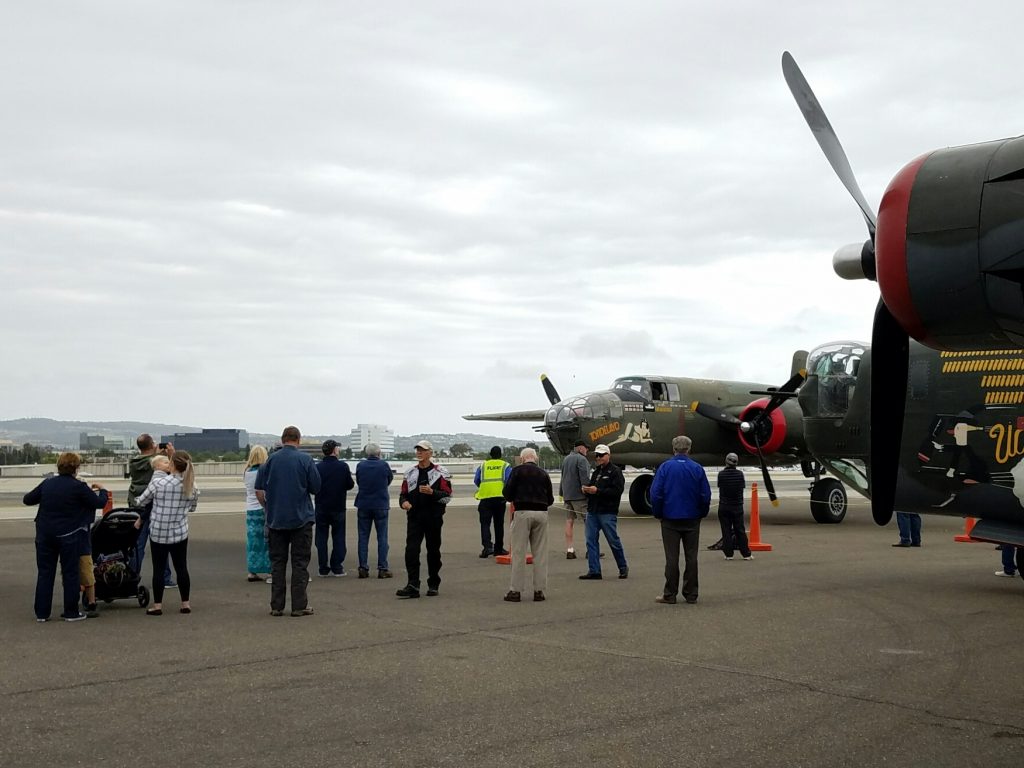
(944, 429)
(638, 416)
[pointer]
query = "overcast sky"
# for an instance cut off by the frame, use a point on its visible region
(251, 214)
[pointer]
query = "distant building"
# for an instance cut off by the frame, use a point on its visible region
(209, 440)
(87, 442)
(371, 433)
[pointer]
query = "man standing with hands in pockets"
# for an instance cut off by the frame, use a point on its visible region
(426, 491)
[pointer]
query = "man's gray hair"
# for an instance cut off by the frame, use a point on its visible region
(681, 444)
(528, 454)
(372, 449)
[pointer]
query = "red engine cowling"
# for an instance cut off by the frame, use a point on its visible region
(771, 432)
(949, 246)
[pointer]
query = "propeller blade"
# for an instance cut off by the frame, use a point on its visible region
(889, 364)
(549, 388)
(709, 411)
(825, 135)
(768, 485)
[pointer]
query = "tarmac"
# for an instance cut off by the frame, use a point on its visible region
(833, 649)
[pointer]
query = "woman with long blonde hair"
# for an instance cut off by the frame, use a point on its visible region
(174, 497)
(256, 554)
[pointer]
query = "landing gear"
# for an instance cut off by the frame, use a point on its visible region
(828, 501)
(640, 494)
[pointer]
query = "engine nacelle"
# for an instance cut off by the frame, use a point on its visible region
(771, 432)
(949, 246)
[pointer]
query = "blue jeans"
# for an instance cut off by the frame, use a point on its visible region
(49, 549)
(910, 527)
(373, 518)
(1009, 566)
(609, 524)
(140, 553)
(330, 523)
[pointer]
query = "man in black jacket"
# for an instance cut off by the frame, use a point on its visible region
(529, 490)
(603, 496)
(335, 483)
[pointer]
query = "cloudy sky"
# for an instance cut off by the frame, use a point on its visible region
(249, 214)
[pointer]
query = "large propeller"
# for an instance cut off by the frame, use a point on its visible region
(549, 388)
(759, 428)
(889, 342)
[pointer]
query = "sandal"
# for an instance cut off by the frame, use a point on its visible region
(154, 612)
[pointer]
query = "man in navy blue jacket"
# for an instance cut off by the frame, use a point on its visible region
(372, 502)
(335, 482)
(680, 498)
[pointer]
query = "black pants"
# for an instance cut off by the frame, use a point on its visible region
(734, 533)
(178, 553)
(423, 525)
(284, 544)
(687, 533)
(492, 512)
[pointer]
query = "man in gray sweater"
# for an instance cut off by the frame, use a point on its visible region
(575, 474)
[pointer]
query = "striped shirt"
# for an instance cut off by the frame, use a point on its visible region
(168, 521)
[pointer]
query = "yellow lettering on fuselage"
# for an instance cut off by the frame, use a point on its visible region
(607, 429)
(1008, 442)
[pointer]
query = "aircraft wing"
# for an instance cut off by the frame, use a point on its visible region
(533, 416)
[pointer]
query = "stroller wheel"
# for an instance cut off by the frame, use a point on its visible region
(143, 597)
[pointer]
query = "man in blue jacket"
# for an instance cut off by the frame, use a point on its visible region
(372, 503)
(284, 483)
(335, 483)
(680, 498)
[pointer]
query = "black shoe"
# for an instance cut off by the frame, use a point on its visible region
(432, 592)
(92, 610)
(512, 597)
(691, 600)
(916, 545)
(665, 599)
(383, 573)
(570, 555)
(486, 552)
(538, 596)
(407, 591)
(500, 552)
(903, 544)
(589, 576)
(624, 572)
(364, 573)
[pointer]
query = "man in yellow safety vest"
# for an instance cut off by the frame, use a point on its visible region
(490, 480)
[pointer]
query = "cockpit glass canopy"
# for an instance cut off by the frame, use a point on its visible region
(632, 386)
(834, 368)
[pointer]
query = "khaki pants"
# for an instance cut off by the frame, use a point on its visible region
(529, 532)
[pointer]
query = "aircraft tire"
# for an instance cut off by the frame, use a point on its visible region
(828, 501)
(640, 494)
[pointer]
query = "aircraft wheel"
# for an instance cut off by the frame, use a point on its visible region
(828, 501)
(143, 597)
(640, 494)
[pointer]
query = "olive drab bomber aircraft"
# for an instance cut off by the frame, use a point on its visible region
(638, 416)
(930, 417)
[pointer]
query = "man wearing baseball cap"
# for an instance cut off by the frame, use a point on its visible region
(604, 491)
(731, 485)
(575, 474)
(335, 482)
(426, 491)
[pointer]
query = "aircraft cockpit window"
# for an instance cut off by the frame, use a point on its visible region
(640, 387)
(836, 367)
(673, 392)
(659, 391)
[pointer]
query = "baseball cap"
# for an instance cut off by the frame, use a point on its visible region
(578, 443)
(425, 445)
(329, 446)
(601, 450)
(731, 459)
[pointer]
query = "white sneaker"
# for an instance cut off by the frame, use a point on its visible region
(1004, 573)
(270, 579)
(749, 557)
(79, 617)
(728, 557)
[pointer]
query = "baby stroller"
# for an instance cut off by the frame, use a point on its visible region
(114, 537)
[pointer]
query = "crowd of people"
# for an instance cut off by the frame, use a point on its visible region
(292, 502)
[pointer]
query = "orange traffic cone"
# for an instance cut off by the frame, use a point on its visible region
(966, 535)
(507, 559)
(756, 545)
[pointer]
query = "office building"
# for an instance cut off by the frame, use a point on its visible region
(371, 433)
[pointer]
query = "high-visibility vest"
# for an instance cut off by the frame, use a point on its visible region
(492, 479)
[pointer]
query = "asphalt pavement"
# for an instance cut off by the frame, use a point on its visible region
(833, 649)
